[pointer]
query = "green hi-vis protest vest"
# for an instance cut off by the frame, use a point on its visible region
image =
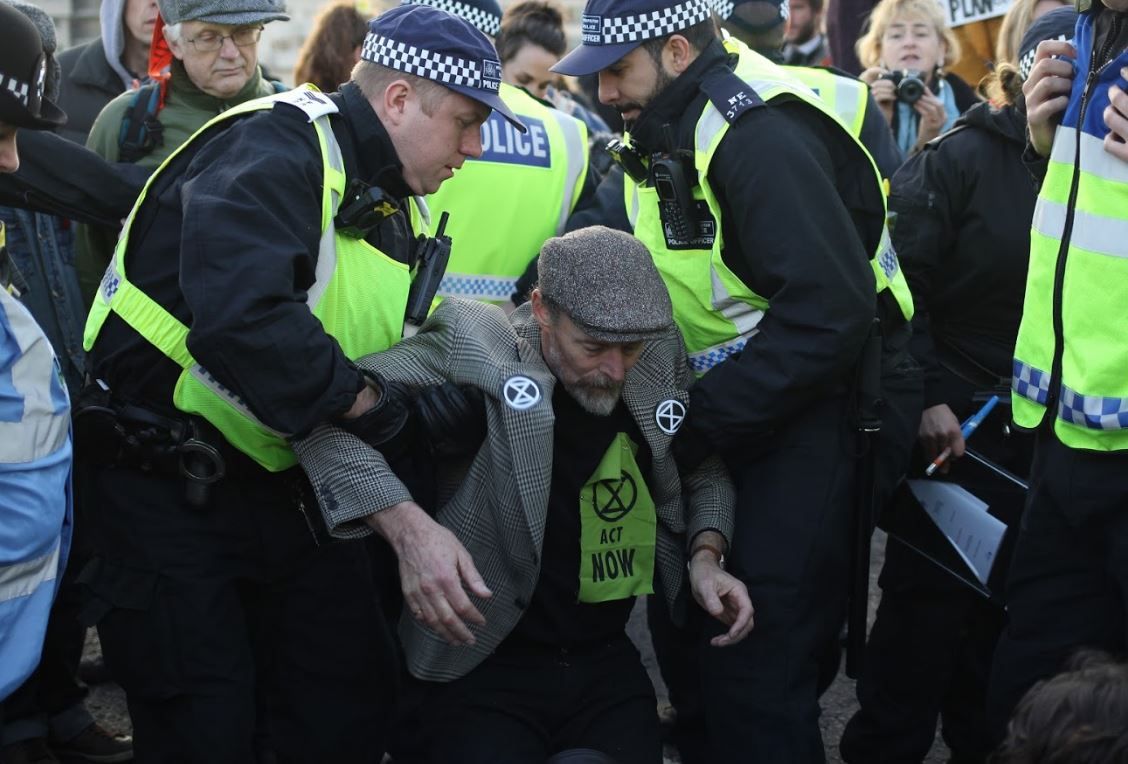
(505, 204)
(362, 320)
(618, 528)
(715, 311)
(1089, 400)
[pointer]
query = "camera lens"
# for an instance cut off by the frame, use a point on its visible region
(910, 89)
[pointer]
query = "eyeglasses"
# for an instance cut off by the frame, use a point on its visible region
(209, 41)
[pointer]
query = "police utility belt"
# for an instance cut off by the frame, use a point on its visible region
(112, 433)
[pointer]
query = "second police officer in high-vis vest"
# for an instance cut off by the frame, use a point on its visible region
(848, 97)
(1068, 578)
(519, 193)
(762, 213)
(269, 250)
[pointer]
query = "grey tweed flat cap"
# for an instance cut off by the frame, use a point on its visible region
(605, 280)
(232, 12)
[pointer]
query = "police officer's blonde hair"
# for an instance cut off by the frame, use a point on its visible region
(868, 46)
(373, 80)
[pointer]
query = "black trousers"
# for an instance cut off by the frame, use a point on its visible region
(929, 652)
(525, 703)
(1068, 585)
(927, 658)
(792, 548)
(232, 632)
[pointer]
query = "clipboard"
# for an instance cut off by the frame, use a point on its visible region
(907, 520)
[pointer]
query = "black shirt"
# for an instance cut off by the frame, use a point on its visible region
(227, 241)
(555, 617)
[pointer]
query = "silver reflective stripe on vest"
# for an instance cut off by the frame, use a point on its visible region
(424, 211)
(327, 247)
(473, 286)
(574, 153)
(712, 121)
(204, 377)
(1095, 233)
(745, 317)
(847, 96)
(23, 578)
(1094, 159)
(632, 213)
(45, 420)
(703, 360)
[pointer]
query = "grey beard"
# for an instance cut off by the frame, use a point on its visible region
(600, 401)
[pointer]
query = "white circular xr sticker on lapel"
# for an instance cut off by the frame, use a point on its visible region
(669, 415)
(520, 393)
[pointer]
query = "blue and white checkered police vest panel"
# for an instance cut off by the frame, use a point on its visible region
(1094, 412)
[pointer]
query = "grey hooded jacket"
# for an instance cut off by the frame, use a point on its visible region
(92, 74)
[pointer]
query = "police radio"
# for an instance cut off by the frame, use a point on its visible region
(430, 258)
(675, 197)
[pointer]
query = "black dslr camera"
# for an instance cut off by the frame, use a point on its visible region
(909, 83)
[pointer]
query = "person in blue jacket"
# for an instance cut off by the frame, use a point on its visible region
(35, 444)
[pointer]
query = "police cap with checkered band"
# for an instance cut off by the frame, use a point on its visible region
(23, 74)
(483, 14)
(610, 29)
(426, 42)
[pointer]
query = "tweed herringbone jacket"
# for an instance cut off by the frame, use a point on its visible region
(498, 509)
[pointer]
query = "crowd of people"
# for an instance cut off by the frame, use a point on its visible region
(358, 412)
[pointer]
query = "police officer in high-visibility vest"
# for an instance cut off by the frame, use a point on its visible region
(847, 96)
(762, 213)
(1068, 580)
(35, 443)
(519, 193)
(264, 254)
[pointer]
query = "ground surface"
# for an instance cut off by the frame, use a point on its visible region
(107, 702)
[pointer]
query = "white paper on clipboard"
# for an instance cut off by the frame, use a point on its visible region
(963, 519)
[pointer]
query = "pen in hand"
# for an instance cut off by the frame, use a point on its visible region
(966, 429)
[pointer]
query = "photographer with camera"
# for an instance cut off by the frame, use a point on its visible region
(904, 50)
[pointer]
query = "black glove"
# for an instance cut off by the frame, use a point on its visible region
(452, 418)
(385, 425)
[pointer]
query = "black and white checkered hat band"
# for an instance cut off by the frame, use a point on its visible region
(615, 30)
(482, 19)
(18, 89)
(411, 59)
(723, 8)
(1026, 63)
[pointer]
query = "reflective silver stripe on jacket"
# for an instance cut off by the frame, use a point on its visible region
(1094, 159)
(327, 247)
(575, 151)
(21, 579)
(1095, 233)
(44, 418)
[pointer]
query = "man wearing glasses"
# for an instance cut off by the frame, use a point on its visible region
(207, 61)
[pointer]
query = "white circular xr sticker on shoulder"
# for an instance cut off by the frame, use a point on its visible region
(669, 415)
(520, 393)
